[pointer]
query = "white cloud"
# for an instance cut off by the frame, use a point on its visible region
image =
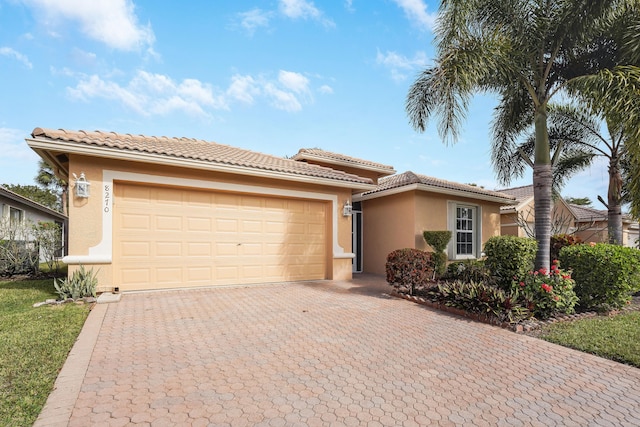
(325, 89)
(7, 51)
(282, 100)
(244, 89)
(399, 65)
(348, 4)
(303, 9)
(112, 22)
(13, 147)
(152, 94)
(294, 81)
(416, 11)
(253, 19)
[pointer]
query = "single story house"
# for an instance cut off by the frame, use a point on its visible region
(176, 212)
(17, 210)
(592, 226)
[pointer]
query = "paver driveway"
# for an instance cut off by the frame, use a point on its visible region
(327, 353)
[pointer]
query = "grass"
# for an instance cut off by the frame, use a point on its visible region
(34, 343)
(616, 338)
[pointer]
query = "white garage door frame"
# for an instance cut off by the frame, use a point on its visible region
(102, 253)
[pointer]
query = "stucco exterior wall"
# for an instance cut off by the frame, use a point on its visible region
(387, 225)
(398, 221)
(86, 215)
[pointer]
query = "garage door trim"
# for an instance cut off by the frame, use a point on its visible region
(102, 253)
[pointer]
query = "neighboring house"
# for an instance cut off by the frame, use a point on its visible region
(589, 224)
(519, 219)
(397, 212)
(176, 212)
(592, 226)
(17, 210)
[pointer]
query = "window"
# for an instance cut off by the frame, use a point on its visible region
(465, 230)
(16, 216)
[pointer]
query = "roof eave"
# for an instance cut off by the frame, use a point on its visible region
(383, 171)
(435, 189)
(43, 146)
(21, 199)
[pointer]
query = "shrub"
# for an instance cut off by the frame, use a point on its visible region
(438, 240)
(409, 268)
(548, 293)
(480, 298)
(509, 258)
(49, 236)
(606, 275)
(470, 270)
(559, 241)
(18, 252)
(82, 284)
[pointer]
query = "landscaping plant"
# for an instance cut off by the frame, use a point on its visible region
(438, 240)
(547, 293)
(606, 275)
(509, 258)
(82, 283)
(409, 268)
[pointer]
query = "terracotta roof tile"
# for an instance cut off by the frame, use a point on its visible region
(585, 213)
(330, 157)
(520, 193)
(198, 150)
(409, 178)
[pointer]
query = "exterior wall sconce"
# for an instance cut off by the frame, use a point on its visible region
(81, 186)
(347, 210)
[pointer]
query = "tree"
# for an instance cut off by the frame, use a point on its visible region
(580, 201)
(32, 192)
(576, 135)
(48, 180)
(526, 52)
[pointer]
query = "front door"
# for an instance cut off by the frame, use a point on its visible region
(356, 235)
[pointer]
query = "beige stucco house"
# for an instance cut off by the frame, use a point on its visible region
(176, 212)
(592, 226)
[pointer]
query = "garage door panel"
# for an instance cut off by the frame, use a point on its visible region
(167, 237)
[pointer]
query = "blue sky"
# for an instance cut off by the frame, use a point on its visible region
(269, 76)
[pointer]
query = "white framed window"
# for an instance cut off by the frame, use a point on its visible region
(16, 216)
(465, 224)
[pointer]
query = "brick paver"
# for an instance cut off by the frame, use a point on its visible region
(331, 353)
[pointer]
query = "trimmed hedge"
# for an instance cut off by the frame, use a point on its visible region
(438, 240)
(409, 267)
(509, 258)
(606, 275)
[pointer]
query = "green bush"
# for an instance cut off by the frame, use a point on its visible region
(469, 270)
(509, 258)
(438, 240)
(547, 293)
(82, 284)
(480, 298)
(559, 241)
(409, 268)
(606, 275)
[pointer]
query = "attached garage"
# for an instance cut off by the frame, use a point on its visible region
(176, 212)
(172, 237)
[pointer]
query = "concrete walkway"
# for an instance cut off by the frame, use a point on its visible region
(323, 353)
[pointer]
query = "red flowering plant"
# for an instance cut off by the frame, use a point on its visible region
(547, 293)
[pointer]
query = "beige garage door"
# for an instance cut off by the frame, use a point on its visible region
(169, 237)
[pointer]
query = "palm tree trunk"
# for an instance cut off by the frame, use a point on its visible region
(614, 206)
(542, 180)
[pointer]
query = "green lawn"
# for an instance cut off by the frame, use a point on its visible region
(34, 343)
(616, 338)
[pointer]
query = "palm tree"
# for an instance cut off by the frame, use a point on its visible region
(575, 138)
(48, 180)
(526, 52)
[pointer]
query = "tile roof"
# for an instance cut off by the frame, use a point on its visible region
(195, 150)
(585, 213)
(25, 200)
(409, 178)
(520, 193)
(329, 157)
